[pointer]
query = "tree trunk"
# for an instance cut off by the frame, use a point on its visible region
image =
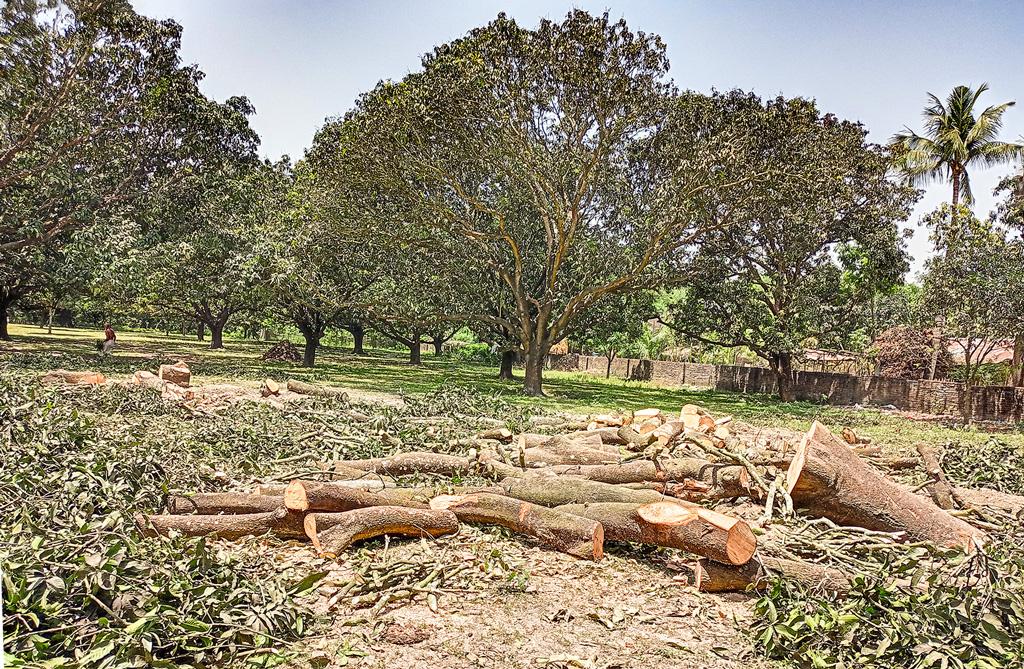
(828, 480)
(1017, 378)
(217, 335)
(956, 189)
(4, 334)
(303, 388)
(608, 369)
(533, 382)
(201, 331)
(358, 332)
(282, 523)
(414, 350)
(49, 319)
(438, 345)
(693, 529)
(505, 370)
(568, 533)
(334, 532)
(782, 366)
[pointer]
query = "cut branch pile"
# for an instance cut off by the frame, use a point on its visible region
(642, 478)
(283, 351)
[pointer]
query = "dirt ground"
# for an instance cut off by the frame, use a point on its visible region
(528, 607)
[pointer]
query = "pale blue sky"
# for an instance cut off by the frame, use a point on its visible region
(300, 61)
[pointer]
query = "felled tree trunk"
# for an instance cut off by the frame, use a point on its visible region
(315, 496)
(213, 503)
(939, 489)
(303, 388)
(756, 574)
(691, 528)
(283, 523)
(334, 532)
(560, 490)
(415, 462)
(987, 498)
(827, 479)
(572, 534)
(74, 378)
(711, 480)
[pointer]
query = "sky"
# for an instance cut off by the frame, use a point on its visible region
(303, 61)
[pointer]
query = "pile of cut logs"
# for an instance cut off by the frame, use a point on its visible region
(621, 478)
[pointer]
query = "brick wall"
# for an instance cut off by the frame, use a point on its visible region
(995, 403)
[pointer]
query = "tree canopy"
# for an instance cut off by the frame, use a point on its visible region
(802, 247)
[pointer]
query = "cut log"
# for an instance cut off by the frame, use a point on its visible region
(303, 388)
(212, 503)
(566, 453)
(368, 484)
(722, 481)
(179, 374)
(633, 439)
(609, 436)
(167, 390)
(283, 523)
(939, 489)
(73, 378)
(565, 532)
(270, 387)
(502, 434)
(828, 480)
(558, 490)
(331, 533)
(987, 498)
(755, 574)
(416, 462)
(315, 496)
(708, 533)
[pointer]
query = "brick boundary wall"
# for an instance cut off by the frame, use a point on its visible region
(991, 403)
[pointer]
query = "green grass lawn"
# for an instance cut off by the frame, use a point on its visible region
(388, 372)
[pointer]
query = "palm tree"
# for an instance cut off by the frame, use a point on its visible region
(954, 139)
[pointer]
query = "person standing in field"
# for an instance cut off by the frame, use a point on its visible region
(109, 339)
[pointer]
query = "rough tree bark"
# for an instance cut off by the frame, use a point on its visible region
(4, 334)
(316, 496)
(217, 334)
(358, 333)
(674, 525)
(334, 532)
(829, 480)
(781, 364)
(565, 532)
(536, 353)
(508, 358)
(282, 523)
(709, 576)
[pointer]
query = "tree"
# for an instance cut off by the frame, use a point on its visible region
(209, 260)
(805, 246)
(535, 157)
(98, 115)
(1009, 212)
(972, 282)
(618, 324)
(955, 138)
(319, 276)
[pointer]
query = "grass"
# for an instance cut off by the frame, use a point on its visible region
(388, 372)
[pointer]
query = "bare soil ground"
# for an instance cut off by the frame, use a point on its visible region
(542, 609)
